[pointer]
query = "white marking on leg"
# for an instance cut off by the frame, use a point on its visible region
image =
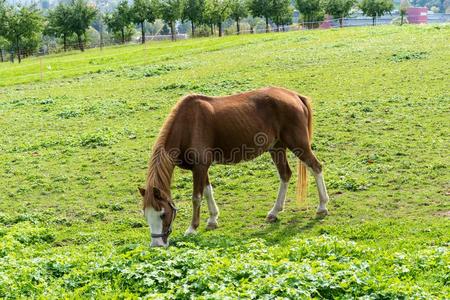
(155, 223)
(196, 202)
(279, 204)
(190, 231)
(212, 206)
(323, 195)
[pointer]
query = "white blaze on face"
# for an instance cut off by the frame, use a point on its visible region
(155, 223)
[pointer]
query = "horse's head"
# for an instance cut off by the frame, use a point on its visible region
(159, 212)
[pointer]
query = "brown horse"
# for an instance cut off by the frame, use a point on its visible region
(201, 130)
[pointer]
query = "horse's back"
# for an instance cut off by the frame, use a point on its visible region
(253, 118)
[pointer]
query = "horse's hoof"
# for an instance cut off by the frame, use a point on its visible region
(322, 213)
(190, 231)
(211, 226)
(271, 218)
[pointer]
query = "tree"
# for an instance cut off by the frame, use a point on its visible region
(120, 19)
(170, 12)
(281, 12)
(59, 23)
(338, 8)
(3, 45)
(253, 22)
(404, 5)
(21, 27)
(141, 11)
(261, 8)
(2, 18)
(238, 10)
(3, 42)
(311, 10)
(192, 11)
(81, 15)
(218, 11)
(376, 8)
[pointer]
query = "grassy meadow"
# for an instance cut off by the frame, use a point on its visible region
(74, 147)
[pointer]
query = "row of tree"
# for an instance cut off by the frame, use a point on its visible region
(22, 27)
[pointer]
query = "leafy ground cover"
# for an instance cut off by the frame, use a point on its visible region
(74, 147)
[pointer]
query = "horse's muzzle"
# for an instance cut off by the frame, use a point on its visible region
(158, 242)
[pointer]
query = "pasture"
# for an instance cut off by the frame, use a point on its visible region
(74, 148)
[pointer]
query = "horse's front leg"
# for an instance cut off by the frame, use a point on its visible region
(199, 174)
(212, 206)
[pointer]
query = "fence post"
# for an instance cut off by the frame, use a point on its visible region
(41, 65)
(101, 35)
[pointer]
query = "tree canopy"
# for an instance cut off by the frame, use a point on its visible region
(281, 12)
(80, 18)
(141, 11)
(193, 11)
(217, 12)
(338, 8)
(22, 27)
(170, 12)
(238, 10)
(120, 19)
(376, 8)
(311, 10)
(59, 23)
(261, 8)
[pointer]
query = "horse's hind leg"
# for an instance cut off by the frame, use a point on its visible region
(212, 206)
(279, 158)
(315, 166)
(302, 149)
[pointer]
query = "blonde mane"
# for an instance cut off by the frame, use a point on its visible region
(161, 165)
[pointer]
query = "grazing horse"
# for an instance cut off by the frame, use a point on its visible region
(202, 130)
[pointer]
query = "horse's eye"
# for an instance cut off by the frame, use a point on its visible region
(163, 216)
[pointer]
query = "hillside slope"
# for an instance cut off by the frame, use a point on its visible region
(74, 147)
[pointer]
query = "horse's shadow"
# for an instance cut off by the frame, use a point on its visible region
(272, 233)
(279, 232)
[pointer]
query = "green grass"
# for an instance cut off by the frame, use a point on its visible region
(74, 148)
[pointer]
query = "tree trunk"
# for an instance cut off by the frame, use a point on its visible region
(267, 24)
(19, 58)
(220, 28)
(238, 28)
(212, 29)
(65, 42)
(142, 33)
(192, 28)
(1, 55)
(341, 22)
(251, 29)
(373, 21)
(401, 20)
(172, 30)
(123, 35)
(80, 43)
(18, 50)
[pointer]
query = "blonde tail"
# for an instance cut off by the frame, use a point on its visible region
(302, 178)
(302, 184)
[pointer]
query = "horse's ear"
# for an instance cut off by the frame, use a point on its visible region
(157, 193)
(142, 191)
